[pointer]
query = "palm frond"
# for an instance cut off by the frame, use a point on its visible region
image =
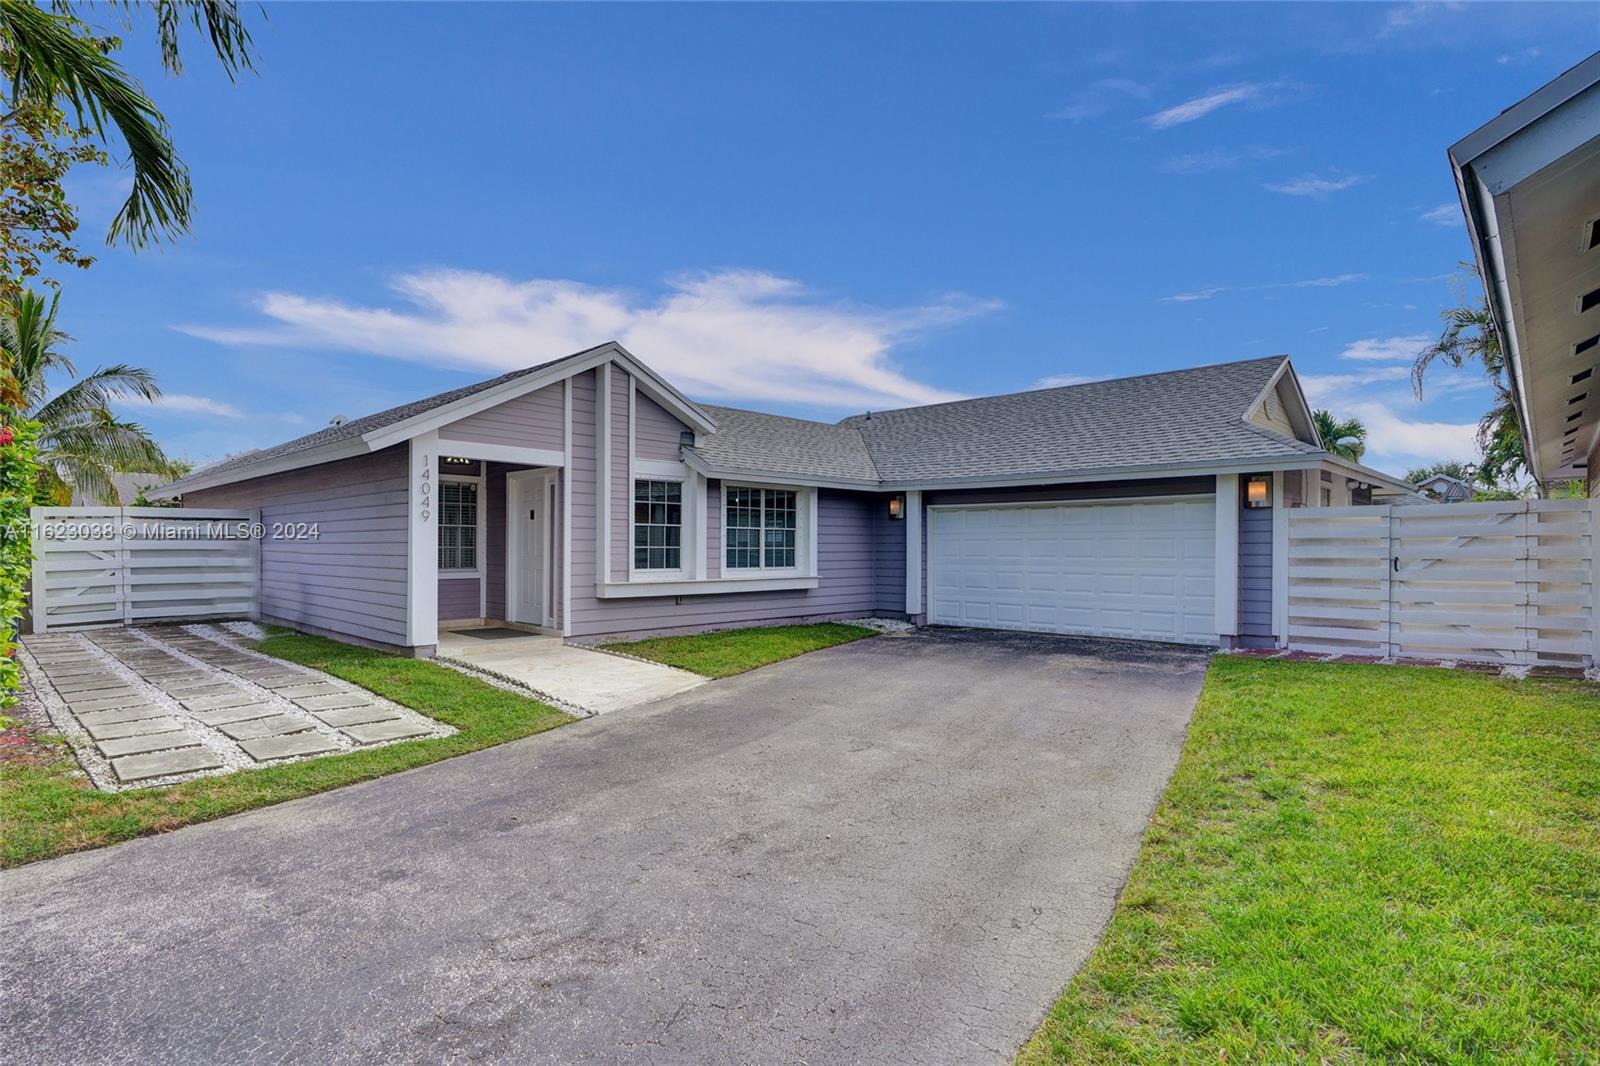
(218, 19)
(53, 61)
(97, 391)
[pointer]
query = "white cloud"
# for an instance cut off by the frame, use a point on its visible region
(1398, 437)
(1200, 106)
(1526, 55)
(1098, 98)
(1057, 381)
(736, 335)
(1209, 291)
(1217, 159)
(178, 401)
(1386, 349)
(1444, 215)
(1312, 185)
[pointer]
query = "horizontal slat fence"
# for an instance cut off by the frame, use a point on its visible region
(1507, 582)
(120, 565)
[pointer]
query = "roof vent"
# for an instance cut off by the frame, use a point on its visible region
(337, 420)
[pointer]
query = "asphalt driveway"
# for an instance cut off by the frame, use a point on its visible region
(897, 850)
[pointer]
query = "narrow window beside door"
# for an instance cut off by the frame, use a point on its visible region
(458, 525)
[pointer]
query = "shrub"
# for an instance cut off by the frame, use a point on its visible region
(18, 473)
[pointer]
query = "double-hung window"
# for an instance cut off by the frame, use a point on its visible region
(458, 525)
(761, 529)
(657, 524)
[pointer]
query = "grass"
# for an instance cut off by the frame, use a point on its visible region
(733, 651)
(50, 810)
(1358, 863)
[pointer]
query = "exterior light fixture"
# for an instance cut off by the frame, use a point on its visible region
(1257, 491)
(897, 507)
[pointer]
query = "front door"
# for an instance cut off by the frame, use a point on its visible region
(527, 576)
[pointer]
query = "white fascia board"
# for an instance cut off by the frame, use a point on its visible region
(502, 453)
(344, 449)
(783, 478)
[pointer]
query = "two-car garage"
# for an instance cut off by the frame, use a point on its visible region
(1140, 569)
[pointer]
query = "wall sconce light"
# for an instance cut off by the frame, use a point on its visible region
(1258, 491)
(897, 507)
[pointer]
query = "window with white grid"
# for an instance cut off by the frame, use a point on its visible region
(760, 528)
(657, 524)
(458, 525)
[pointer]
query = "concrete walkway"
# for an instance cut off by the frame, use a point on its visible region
(894, 851)
(590, 681)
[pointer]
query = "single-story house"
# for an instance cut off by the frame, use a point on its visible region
(1529, 181)
(589, 495)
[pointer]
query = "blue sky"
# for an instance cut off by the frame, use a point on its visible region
(813, 209)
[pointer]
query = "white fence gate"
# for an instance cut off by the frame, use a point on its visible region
(116, 565)
(1511, 582)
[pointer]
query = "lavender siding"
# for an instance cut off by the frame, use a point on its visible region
(846, 560)
(655, 432)
(713, 528)
(621, 490)
(1255, 574)
(888, 560)
(352, 578)
(458, 598)
(531, 421)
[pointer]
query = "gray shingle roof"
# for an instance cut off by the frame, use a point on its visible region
(750, 440)
(1179, 416)
(1176, 417)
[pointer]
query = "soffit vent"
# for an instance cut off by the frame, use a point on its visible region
(1589, 300)
(1585, 344)
(1591, 235)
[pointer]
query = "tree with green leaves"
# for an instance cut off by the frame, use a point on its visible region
(64, 100)
(80, 442)
(1469, 337)
(1344, 437)
(1463, 472)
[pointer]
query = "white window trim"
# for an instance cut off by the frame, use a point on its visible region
(686, 525)
(482, 507)
(805, 535)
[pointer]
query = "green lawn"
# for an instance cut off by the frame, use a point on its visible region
(733, 651)
(1358, 863)
(46, 811)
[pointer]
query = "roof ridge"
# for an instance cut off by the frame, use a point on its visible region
(1062, 388)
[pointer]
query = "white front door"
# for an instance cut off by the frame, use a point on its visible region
(527, 566)
(1144, 570)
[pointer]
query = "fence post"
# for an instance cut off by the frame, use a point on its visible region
(1386, 634)
(41, 573)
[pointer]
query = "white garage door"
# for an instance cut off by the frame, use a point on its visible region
(1139, 570)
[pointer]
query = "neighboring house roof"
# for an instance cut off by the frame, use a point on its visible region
(127, 486)
(1529, 183)
(1446, 487)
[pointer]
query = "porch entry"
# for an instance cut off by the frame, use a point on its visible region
(530, 512)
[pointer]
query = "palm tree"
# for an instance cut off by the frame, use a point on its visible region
(81, 441)
(1469, 336)
(1347, 438)
(52, 59)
